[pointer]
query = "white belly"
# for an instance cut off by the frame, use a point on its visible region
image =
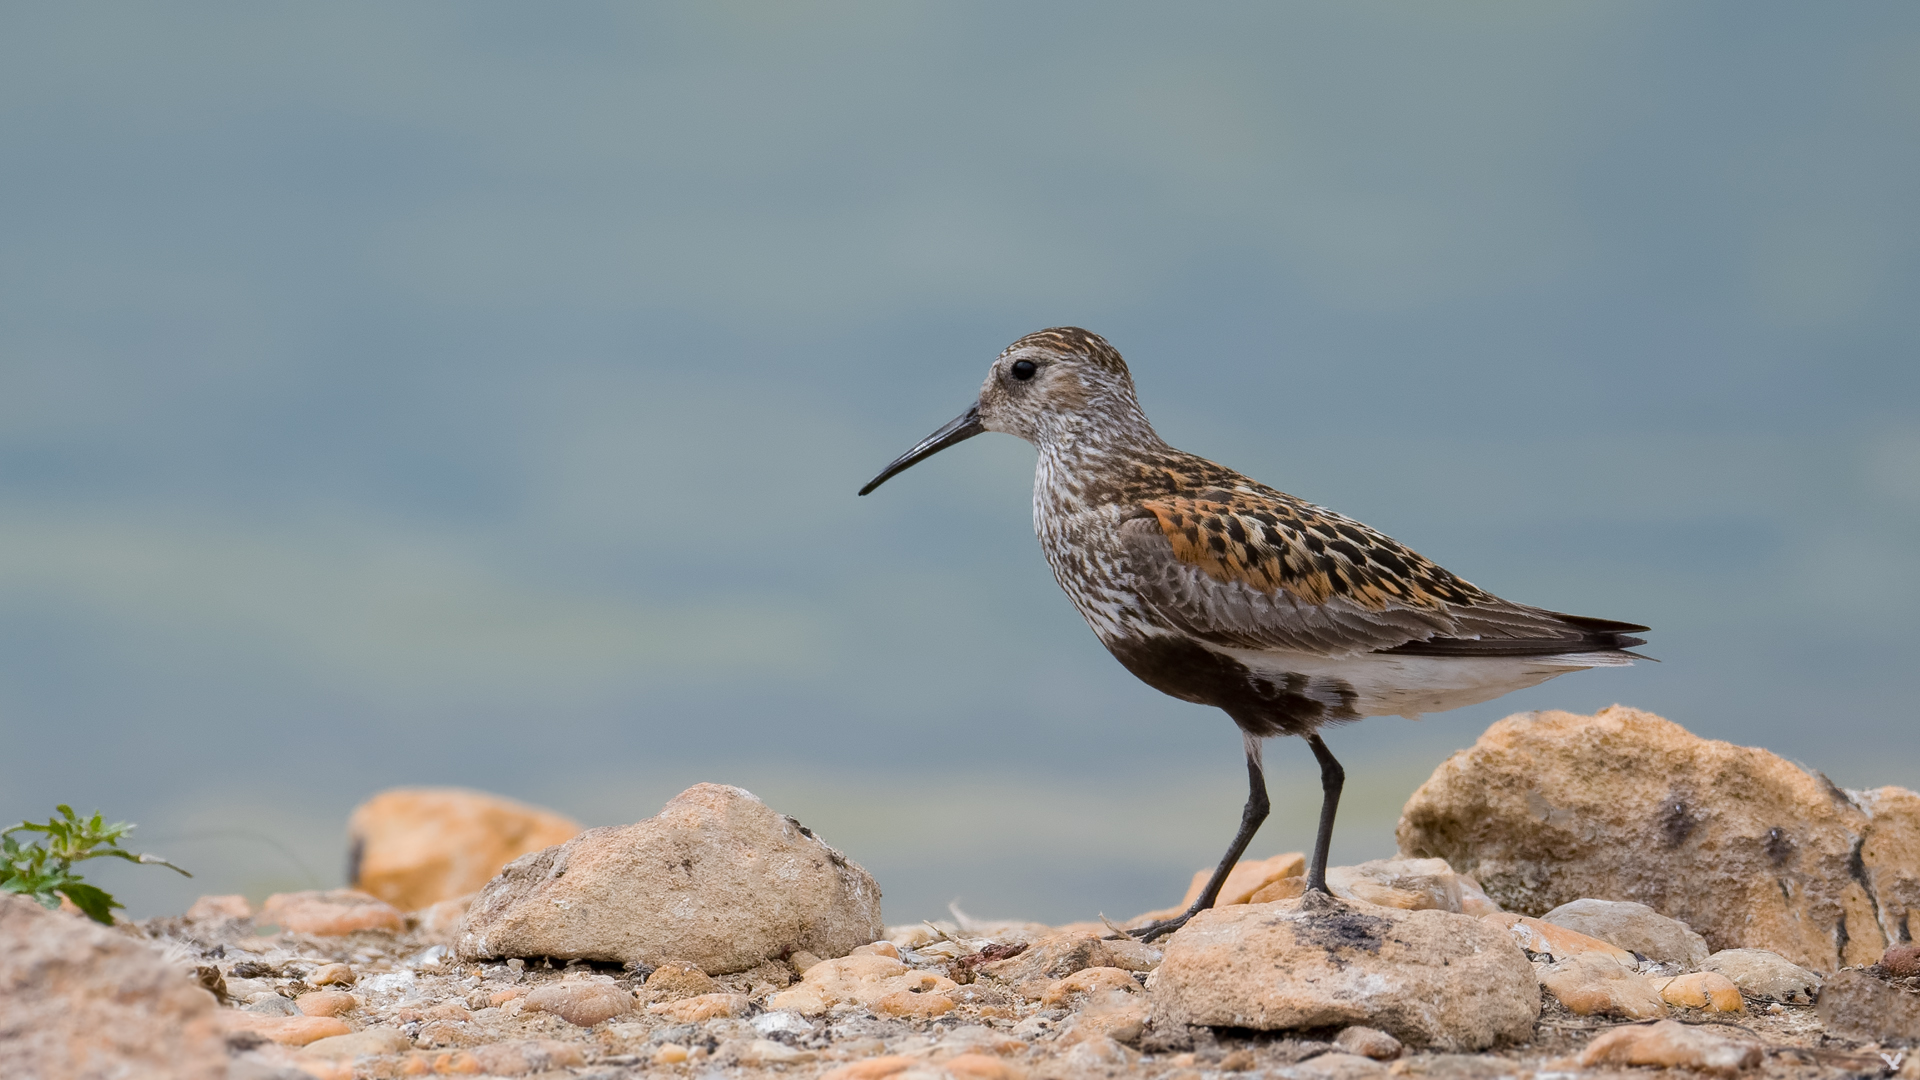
(1386, 685)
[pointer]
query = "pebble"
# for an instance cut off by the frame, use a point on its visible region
(326, 1003)
(1368, 1043)
(330, 913)
(331, 975)
(1634, 927)
(581, 1002)
(693, 1010)
(670, 1054)
(359, 1044)
(1540, 937)
(678, 979)
(271, 1004)
(1762, 974)
(978, 1067)
(1670, 1044)
(1902, 961)
(912, 1004)
(1707, 990)
(1590, 984)
(873, 1068)
(220, 907)
(1098, 1051)
(1086, 981)
(285, 1030)
(525, 1056)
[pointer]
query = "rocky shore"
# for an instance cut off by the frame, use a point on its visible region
(1574, 896)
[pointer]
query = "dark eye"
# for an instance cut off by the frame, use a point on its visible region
(1024, 369)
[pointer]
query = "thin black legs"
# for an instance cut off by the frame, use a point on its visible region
(1332, 778)
(1251, 816)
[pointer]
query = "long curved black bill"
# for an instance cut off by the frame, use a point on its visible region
(959, 429)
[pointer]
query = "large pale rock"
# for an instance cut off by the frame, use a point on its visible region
(80, 1000)
(716, 879)
(1429, 978)
(1747, 848)
(414, 847)
(1635, 928)
(1762, 974)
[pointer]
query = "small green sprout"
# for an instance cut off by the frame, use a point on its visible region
(43, 869)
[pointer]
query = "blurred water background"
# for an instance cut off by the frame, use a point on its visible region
(476, 394)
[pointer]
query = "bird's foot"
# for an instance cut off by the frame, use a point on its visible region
(1160, 928)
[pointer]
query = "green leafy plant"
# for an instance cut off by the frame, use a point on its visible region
(43, 868)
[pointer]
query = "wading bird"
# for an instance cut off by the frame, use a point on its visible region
(1219, 590)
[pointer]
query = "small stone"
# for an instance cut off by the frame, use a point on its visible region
(1707, 990)
(877, 948)
(326, 1003)
(1368, 1043)
(670, 1054)
(780, 1022)
(359, 1044)
(678, 979)
(977, 1067)
(1086, 981)
(1239, 1061)
(285, 1030)
(693, 1010)
(1286, 888)
(330, 913)
(873, 1068)
(220, 907)
(511, 993)
(910, 1004)
(525, 1056)
(1427, 977)
(441, 921)
(1855, 1005)
(1247, 878)
(1060, 955)
(856, 979)
(271, 1004)
(582, 1002)
(1119, 1016)
(1336, 1067)
(801, 960)
(1558, 942)
(1591, 984)
(1670, 1044)
(331, 975)
(1408, 884)
(1902, 961)
(1634, 927)
(1763, 974)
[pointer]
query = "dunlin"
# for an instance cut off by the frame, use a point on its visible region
(1219, 590)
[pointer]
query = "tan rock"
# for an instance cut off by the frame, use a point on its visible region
(670, 1054)
(414, 847)
(1669, 1044)
(1426, 977)
(1336, 1067)
(1745, 847)
(978, 1067)
(1088, 981)
(441, 921)
(717, 879)
(1247, 877)
(1634, 927)
(584, 1002)
(357, 1044)
(81, 1000)
(1707, 990)
(326, 1003)
(523, 1056)
(914, 1004)
(1368, 1043)
(330, 913)
(1060, 955)
(873, 1068)
(1593, 984)
(331, 975)
(1856, 1005)
(1408, 884)
(693, 1010)
(231, 906)
(1118, 1015)
(285, 1030)
(1558, 942)
(1286, 888)
(678, 979)
(1766, 975)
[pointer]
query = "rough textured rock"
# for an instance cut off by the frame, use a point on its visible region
(1766, 975)
(1706, 990)
(1368, 1043)
(414, 847)
(331, 913)
(1634, 927)
(1060, 955)
(80, 1000)
(1247, 878)
(1747, 848)
(1670, 1044)
(1544, 939)
(1410, 884)
(585, 1002)
(716, 879)
(1902, 961)
(1426, 977)
(1856, 1005)
(1592, 984)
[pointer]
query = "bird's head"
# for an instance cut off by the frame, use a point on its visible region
(1046, 388)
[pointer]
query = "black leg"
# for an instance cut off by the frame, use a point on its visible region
(1332, 778)
(1254, 813)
